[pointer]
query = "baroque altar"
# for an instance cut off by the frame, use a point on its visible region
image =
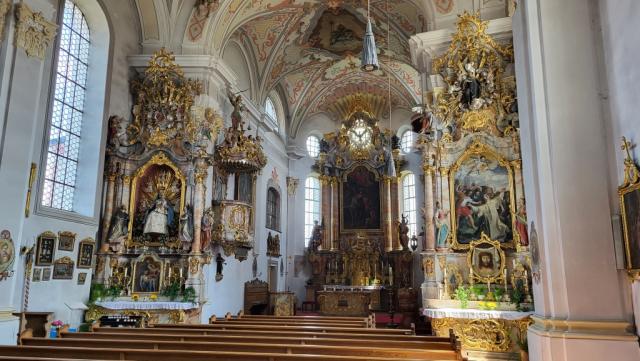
(359, 250)
(158, 228)
(477, 258)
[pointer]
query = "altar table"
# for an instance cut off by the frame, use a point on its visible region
(152, 312)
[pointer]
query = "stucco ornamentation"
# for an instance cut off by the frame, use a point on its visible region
(5, 6)
(34, 33)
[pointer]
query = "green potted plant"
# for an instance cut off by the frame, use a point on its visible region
(462, 294)
(189, 295)
(171, 291)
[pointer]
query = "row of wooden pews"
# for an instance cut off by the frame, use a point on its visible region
(247, 338)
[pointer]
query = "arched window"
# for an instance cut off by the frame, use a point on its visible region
(273, 209)
(311, 206)
(313, 146)
(68, 111)
(409, 201)
(406, 141)
(270, 110)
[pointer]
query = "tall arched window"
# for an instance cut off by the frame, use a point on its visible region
(273, 209)
(409, 201)
(311, 206)
(68, 111)
(313, 146)
(406, 141)
(270, 110)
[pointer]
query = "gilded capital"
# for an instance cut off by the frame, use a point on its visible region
(33, 32)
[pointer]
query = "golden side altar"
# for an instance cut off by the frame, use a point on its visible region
(349, 300)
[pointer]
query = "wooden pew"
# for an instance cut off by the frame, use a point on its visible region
(433, 343)
(170, 355)
(272, 332)
(230, 326)
(375, 351)
(360, 324)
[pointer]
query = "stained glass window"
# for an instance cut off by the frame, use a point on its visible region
(68, 109)
(311, 206)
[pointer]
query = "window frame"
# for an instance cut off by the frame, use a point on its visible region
(316, 205)
(411, 146)
(92, 153)
(272, 215)
(306, 143)
(407, 197)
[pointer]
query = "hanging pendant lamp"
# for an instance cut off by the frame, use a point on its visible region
(369, 58)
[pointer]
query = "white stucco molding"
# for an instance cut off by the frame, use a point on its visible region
(427, 46)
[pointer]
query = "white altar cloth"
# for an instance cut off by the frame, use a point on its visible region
(129, 305)
(473, 314)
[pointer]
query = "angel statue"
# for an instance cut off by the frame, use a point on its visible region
(238, 108)
(186, 228)
(158, 217)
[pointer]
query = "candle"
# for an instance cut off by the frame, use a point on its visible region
(126, 270)
(180, 272)
(390, 276)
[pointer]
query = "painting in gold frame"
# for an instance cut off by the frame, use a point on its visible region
(66, 241)
(629, 193)
(63, 269)
(486, 260)
(360, 200)
(482, 198)
(46, 248)
(147, 274)
(85, 252)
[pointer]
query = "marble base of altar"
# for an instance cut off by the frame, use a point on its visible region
(494, 334)
(345, 302)
(152, 312)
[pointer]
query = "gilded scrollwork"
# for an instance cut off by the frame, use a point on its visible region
(34, 33)
(484, 334)
(5, 6)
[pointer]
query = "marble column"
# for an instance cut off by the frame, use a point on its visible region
(581, 311)
(335, 213)
(429, 209)
(198, 207)
(108, 206)
(395, 212)
(386, 206)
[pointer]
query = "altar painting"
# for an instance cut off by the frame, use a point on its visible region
(157, 202)
(361, 200)
(481, 198)
(630, 204)
(147, 275)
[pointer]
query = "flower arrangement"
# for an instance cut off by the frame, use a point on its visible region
(153, 297)
(135, 297)
(57, 323)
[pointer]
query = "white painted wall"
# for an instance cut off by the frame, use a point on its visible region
(24, 95)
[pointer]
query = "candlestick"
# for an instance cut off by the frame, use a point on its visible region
(505, 279)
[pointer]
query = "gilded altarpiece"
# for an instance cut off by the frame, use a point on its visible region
(151, 234)
(476, 256)
(356, 254)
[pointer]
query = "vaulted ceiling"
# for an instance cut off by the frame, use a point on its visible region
(309, 51)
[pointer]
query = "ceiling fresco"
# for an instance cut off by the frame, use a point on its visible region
(310, 49)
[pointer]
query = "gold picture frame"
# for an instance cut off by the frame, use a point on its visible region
(66, 241)
(63, 269)
(629, 196)
(147, 265)
(341, 196)
(85, 252)
(483, 151)
(46, 248)
(486, 260)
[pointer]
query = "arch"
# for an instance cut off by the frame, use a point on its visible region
(240, 59)
(312, 210)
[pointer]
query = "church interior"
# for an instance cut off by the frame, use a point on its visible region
(319, 180)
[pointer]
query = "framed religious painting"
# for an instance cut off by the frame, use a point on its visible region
(629, 193)
(147, 274)
(66, 241)
(85, 252)
(482, 198)
(82, 278)
(45, 249)
(46, 274)
(360, 200)
(486, 260)
(37, 275)
(63, 269)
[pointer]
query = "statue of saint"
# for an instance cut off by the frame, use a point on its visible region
(119, 229)
(186, 228)
(238, 108)
(316, 236)
(159, 216)
(206, 227)
(403, 230)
